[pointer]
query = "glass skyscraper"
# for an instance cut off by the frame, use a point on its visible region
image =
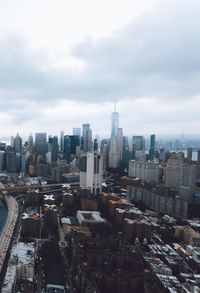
(115, 124)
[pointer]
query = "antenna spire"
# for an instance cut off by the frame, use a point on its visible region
(115, 105)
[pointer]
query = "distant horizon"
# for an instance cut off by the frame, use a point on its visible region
(187, 136)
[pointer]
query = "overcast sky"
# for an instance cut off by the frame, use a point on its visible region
(64, 62)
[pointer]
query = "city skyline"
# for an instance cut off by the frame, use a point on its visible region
(99, 146)
(68, 69)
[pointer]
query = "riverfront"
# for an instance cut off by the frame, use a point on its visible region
(3, 214)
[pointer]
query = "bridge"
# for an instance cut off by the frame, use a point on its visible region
(44, 188)
(24, 188)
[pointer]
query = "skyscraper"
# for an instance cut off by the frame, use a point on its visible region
(189, 154)
(30, 142)
(53, 144)
(12, 141)
(120, 142)
(114, 123)
(11, 161)
(138, 146)
(41, 143)
(138, 143)
(152, 146)
(75, 142)
(91, 164)
(95, 145)
(87, 138)
(77, 131)
(67, 148)
(17, 143)
(114, 154)
(62, 141)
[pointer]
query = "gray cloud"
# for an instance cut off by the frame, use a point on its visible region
(158, 54)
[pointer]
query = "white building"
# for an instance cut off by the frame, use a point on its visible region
(114, 154)
(120, 142)
(174, 171)
(91, 168)
(114, 124)
(146, 171)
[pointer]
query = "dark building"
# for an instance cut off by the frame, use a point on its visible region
(11, 161)
(18, 162)
(75, 141)
(152, 146)
(18, 143)
(70, 144)
(67, 148)
(62, 141)
(95, 145)
(53, 148)
(126, 155)
(189, 155)
(41, 144)
(103, 142)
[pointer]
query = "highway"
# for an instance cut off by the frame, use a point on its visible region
(28, 187)
(7, 232)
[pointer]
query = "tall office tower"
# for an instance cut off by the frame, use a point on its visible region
(114, 154)
(12, 141)
(114, 124)
(91, 164)
(30, 142)
(120, 142)
(41, 144)
(23, 162)
(67, 148)
(53, 147)
(95, 145)
(97, 138)
(125, 153)
(17, 143)
(152, 146)
(162, 155)
(77, 131)
(62, 140)
(138, 145)
(75, 142)
(138, 141)
(189, 154)
(11, 161)
(104, 141)
(71, 143)
(18, 162)
(87, 138)
(189, 175)
(105, 157)
(125, 143)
